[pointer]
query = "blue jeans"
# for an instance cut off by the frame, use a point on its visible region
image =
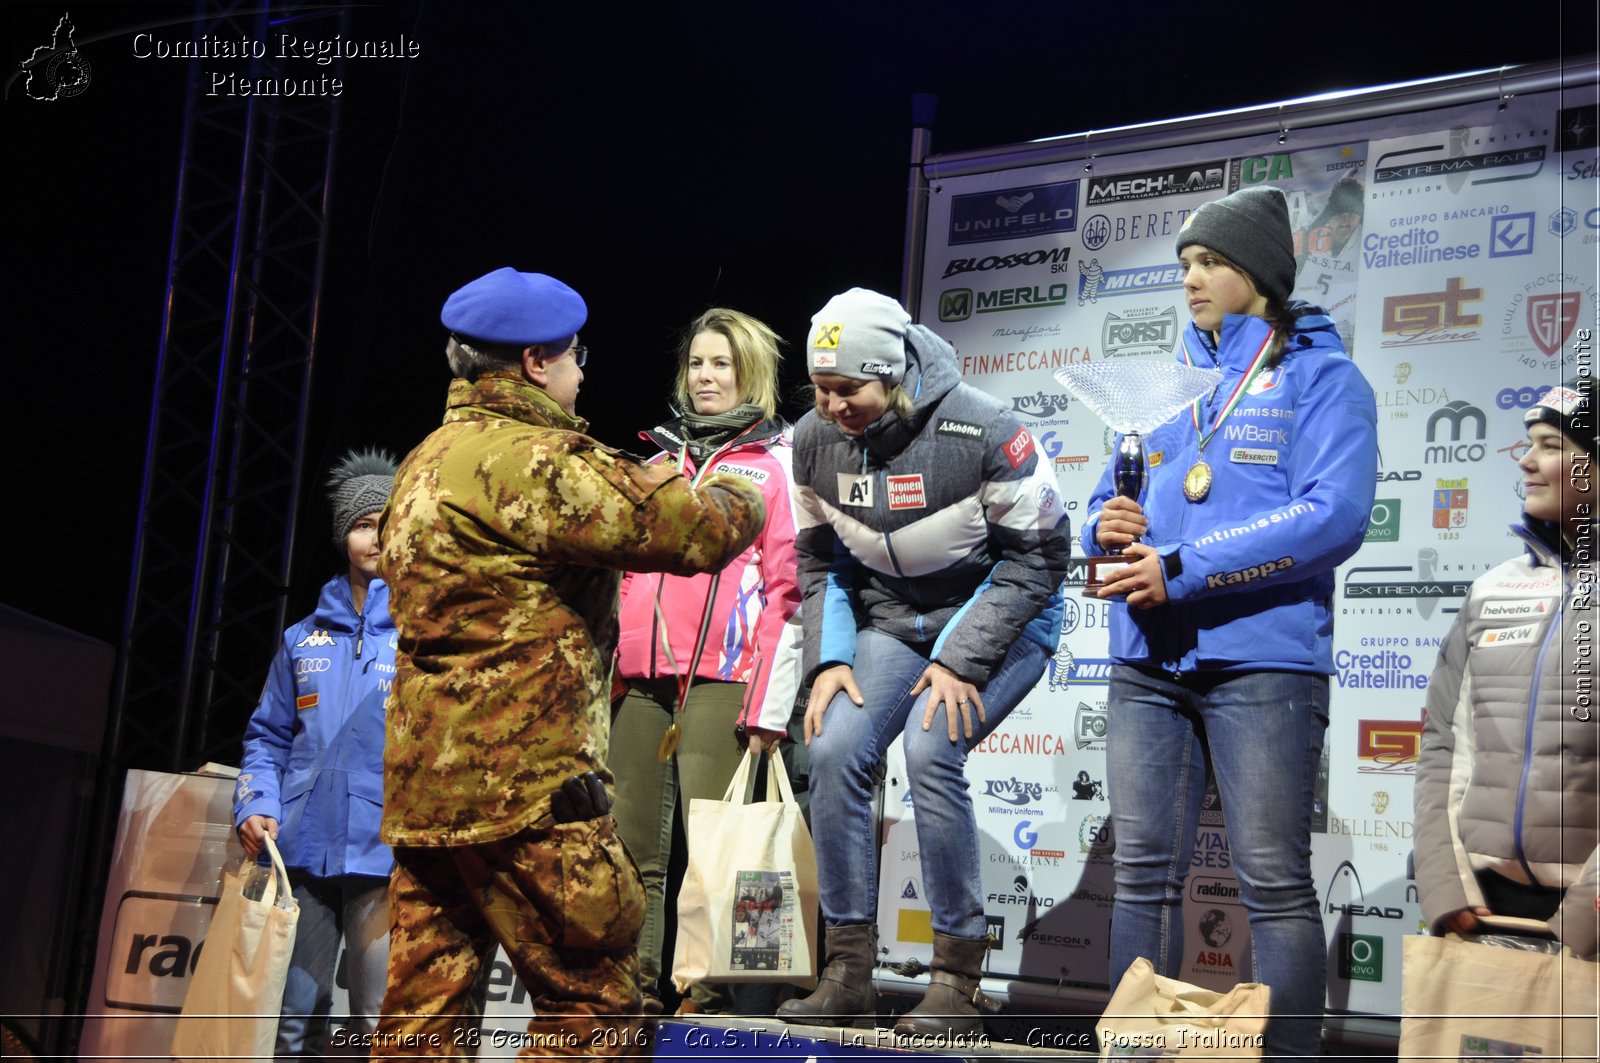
(1261, 733)
(844, 760)
(352, 907)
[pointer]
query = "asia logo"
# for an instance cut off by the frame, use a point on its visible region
(1388, 747)
(1455, 413)
(1016, 212)
(1425, 318)
(1450, 504)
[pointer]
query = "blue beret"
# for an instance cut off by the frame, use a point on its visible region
(511, 307)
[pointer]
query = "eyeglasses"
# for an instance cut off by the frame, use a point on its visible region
(580, 354)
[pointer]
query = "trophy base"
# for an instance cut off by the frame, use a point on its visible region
(1099, 568)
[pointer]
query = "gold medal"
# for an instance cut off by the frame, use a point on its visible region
(1197, 482)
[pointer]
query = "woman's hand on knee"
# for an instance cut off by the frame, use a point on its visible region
(955, 693)
(828, 682)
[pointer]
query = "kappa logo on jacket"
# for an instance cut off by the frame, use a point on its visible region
(316, 638)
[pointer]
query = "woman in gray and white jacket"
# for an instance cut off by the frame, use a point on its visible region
(1508, 784)
(932, 544)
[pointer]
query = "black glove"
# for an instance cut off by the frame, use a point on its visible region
(580, 797)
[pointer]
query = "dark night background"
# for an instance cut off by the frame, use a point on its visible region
(661, 158)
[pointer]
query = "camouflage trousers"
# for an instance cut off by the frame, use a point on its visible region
(566, 903)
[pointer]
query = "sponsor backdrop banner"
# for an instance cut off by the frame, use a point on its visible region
(1456, 250)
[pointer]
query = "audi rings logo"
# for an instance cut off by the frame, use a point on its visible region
(312, 665)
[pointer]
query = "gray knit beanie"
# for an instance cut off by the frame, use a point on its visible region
(859, 334)
(1250, 229)
(359, 485)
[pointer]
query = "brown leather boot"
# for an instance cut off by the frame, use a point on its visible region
(844, 989)
(951, 1006)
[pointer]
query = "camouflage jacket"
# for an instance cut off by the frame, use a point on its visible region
(503, 546)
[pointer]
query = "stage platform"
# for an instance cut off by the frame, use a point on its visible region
(1005, 1037)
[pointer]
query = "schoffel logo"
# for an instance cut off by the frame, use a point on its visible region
(1089, 726)
(1455, 413)
(1037, 257)
(1450, 505)
(1140, 332)
(1031, 210)
(1461, 160)
(1360, 957)
(1013, 791)
(1388, 747)
(1149, 184)
(1422, 318)
(312, 665)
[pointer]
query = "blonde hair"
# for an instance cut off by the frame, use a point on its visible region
(755, 357)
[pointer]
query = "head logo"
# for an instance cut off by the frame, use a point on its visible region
(955, 304)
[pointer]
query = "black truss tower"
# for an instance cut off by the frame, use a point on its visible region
(225, 452)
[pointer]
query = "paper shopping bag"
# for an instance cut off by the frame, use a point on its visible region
(1152, 1015)
(1463, 999)
(231, 1009)
(747, 911)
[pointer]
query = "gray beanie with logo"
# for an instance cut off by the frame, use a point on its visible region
(359, 485)
(859, 334)
(1250, 229)
(1570, 408)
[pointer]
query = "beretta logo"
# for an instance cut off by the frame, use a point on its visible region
(1031, 210)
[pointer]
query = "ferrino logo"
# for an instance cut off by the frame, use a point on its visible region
(312, 665)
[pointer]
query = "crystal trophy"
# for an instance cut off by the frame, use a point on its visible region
(1133, 398)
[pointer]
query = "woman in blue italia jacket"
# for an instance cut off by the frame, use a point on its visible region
(1222, 638)
(312, 775)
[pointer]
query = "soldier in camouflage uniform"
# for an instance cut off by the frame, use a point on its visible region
(503, 547)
